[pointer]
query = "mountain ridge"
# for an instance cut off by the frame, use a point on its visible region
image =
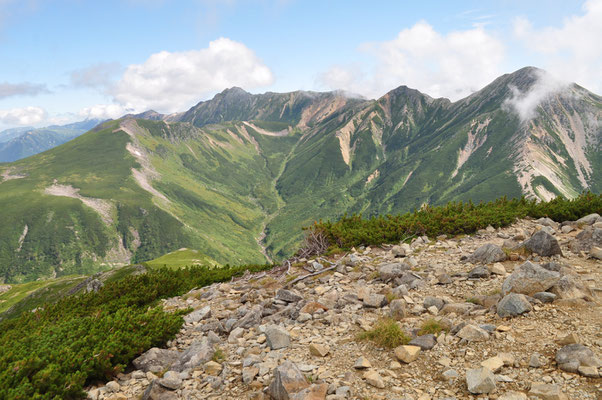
(238, 176)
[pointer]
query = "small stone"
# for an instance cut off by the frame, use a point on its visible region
(487, 253)
(545, 391)
(572, 356)
(397, 309)
(450, 375)
(407, 353)
(374, 379)
(248, 374)
(589, 372)
(198, 315)
(319, 350)
(113, 386)
(171, 380)
(503, 328)
(425, 342)
(472, 333)
(534, 361)
(480, 380)
(362, 363)
(288, 380)
(480, 272)
(545, 297)
(493, 363)
(596, 252)
(375, 301)
(213, 368)
(497, 269)
(398, 251)
(288, 296)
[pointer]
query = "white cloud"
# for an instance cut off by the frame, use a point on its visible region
(23, 116)
(525, 103)
(21, 89)
(104, 111)
(452, 65)
(572, 51)
(100, 75)
(173, 81)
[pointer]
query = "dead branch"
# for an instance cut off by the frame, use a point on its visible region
(334, 266)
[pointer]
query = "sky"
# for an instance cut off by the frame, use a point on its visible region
(67, 60)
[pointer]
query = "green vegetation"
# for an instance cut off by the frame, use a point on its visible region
(386, 333)
(53, 352)
(452, 219)
(431, 326)
(181, 258)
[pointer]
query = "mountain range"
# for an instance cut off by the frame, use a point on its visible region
(18, 143)
(237, 176)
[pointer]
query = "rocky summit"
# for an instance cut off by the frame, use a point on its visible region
(381, 323)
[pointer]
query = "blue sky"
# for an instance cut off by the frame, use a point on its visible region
(65, 60)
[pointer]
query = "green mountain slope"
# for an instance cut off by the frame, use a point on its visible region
(236, 177)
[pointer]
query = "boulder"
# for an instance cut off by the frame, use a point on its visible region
(375, 301)
(543, 244)
(316, 391)
(252, 318)
(588, 219)
(480, 380)
(487, 253)
(480, 272)
(388, 272)
(425, 342)
(288, 380)
(288, 296)
(529, 278)
(171, 380)
(373, 378)
(199, 352)
(545, 297)
(155, 391)
(198, 315)
(513, 304)
(569, 287)
(156, 360)
(277, 337)
(398, 309)
(573, 356)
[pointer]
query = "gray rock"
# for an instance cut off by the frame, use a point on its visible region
(569, 287)
(288, 296)
(425, 342)
(596, 252)
(513, 304)
(487, 253)
(198, 315)
(479, 272)
(589, 237)
(430, 301)
(535, 361)
(543, 244)
(199, 352)
(588, 219)
(398, 309)
(545, 297)
(156, 360)
(277, 337)
(513, 396)
(155, 391)
(546, 391)
(388, 272)
(400, 291)
(545, 221)
(248, 374)
(572, 356)
(480, 380)
(375, 301)
(398, 251)
(171, 380)
(93, 286)
(472, 333)
(252, 318)
(288, 380)
(313, 392)
(529, 278)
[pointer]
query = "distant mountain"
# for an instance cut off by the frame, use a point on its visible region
(19, 143)
(236, 177)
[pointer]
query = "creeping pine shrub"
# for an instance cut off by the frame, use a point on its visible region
(454, 218)
(53, 353)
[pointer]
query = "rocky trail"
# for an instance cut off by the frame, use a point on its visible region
(506, 314)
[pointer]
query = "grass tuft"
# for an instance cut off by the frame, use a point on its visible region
(386, 333)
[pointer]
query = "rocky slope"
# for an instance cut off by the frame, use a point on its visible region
(236, 177)
(505, 314)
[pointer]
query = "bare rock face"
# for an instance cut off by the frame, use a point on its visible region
(543, 244)
(288, 380)
(530, 278)
(487, 254)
